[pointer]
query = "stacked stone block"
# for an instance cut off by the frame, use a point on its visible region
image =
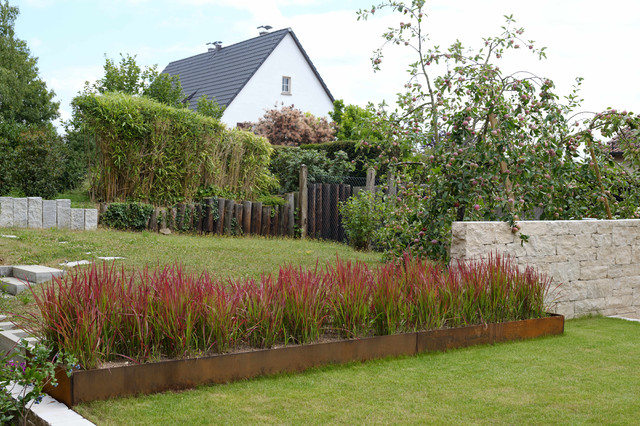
(595, 264)
(34, 212)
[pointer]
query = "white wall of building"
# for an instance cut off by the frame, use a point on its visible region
(264, 89)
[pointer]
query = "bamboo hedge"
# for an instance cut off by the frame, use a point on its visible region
(150, 152)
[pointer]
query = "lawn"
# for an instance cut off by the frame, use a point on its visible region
(222, 256)
(589, 375)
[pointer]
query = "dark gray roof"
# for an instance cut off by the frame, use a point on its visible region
(222, 74)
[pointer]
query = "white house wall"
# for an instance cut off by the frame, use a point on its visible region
(264, 89)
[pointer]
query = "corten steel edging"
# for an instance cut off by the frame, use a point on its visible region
(450, 338)
(91, 385)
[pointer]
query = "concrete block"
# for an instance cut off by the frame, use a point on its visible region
(63, 210)
(604, 227)
(582, 227)
(77, 219)
(593, 272)
(567, 245)
(13, 285)
(564, 272)
(34, 212)
(90, 219)
(601, 240)
(541, 245)
(534, 227)
(623, 255)
(49, 214)
(20, 216)
(619, 271)
(36, 273)
(6, 271)
(620, 302)
(589, 306)
(563, 308)
(625, 235)
(606, 255)
(6, 212)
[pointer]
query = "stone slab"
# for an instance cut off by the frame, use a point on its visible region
(49, 214)
(6, 271)
(34, 212)
(75, 263)
(6, 212)
(20, 213)
(36, 273)
(90, 219)
(63, 213)
(77, 219)
(13, 285)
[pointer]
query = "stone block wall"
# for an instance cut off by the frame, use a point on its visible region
(594, 264)
(34, 212)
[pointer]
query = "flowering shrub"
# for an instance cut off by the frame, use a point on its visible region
(101, 314)
(31, 375)
(490, 145)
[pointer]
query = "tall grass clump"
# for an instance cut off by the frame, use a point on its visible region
(102, 313)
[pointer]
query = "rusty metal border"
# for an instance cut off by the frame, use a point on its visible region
(100, 384)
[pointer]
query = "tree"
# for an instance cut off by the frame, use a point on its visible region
(490, 145)
(127, 77)
(210, 108)
(354, 123)
(24, 98)
(27, 138)
(290, 126)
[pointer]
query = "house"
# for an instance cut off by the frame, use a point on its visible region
(252, 76)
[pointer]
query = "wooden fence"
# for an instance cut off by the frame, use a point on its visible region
(314, 214)
(225, 217)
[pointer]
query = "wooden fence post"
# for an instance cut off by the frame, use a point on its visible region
(304, 201)
(246, 217)
(228, 216)
(391, 184)
(290, 214)
(371, 179)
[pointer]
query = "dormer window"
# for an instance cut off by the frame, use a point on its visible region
(286, 85)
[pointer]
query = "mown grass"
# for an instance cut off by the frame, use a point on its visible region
(588, 375)
(222, 256)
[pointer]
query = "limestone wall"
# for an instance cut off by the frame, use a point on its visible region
(595, 264)
(34, 212)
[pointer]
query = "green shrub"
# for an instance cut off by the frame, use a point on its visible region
(360, 157)
(127, 216)
(286, 162)
(362, 216)
(272, 200)
(147, 151)
(36, 162)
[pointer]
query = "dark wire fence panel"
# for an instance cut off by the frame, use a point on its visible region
(324, 220)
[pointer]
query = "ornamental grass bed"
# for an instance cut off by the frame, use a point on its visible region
(103, 314)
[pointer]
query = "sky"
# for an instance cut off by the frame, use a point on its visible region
(584, 38)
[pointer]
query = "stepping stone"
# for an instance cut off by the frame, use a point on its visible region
(36, 273)
(6, 271)
(75, 263)
(13, 286)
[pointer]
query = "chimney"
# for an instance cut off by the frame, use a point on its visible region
(266, 29)
(217, 46)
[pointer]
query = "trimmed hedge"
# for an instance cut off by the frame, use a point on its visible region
(148, 151)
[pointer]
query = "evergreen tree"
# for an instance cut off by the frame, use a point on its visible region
(24, 98)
